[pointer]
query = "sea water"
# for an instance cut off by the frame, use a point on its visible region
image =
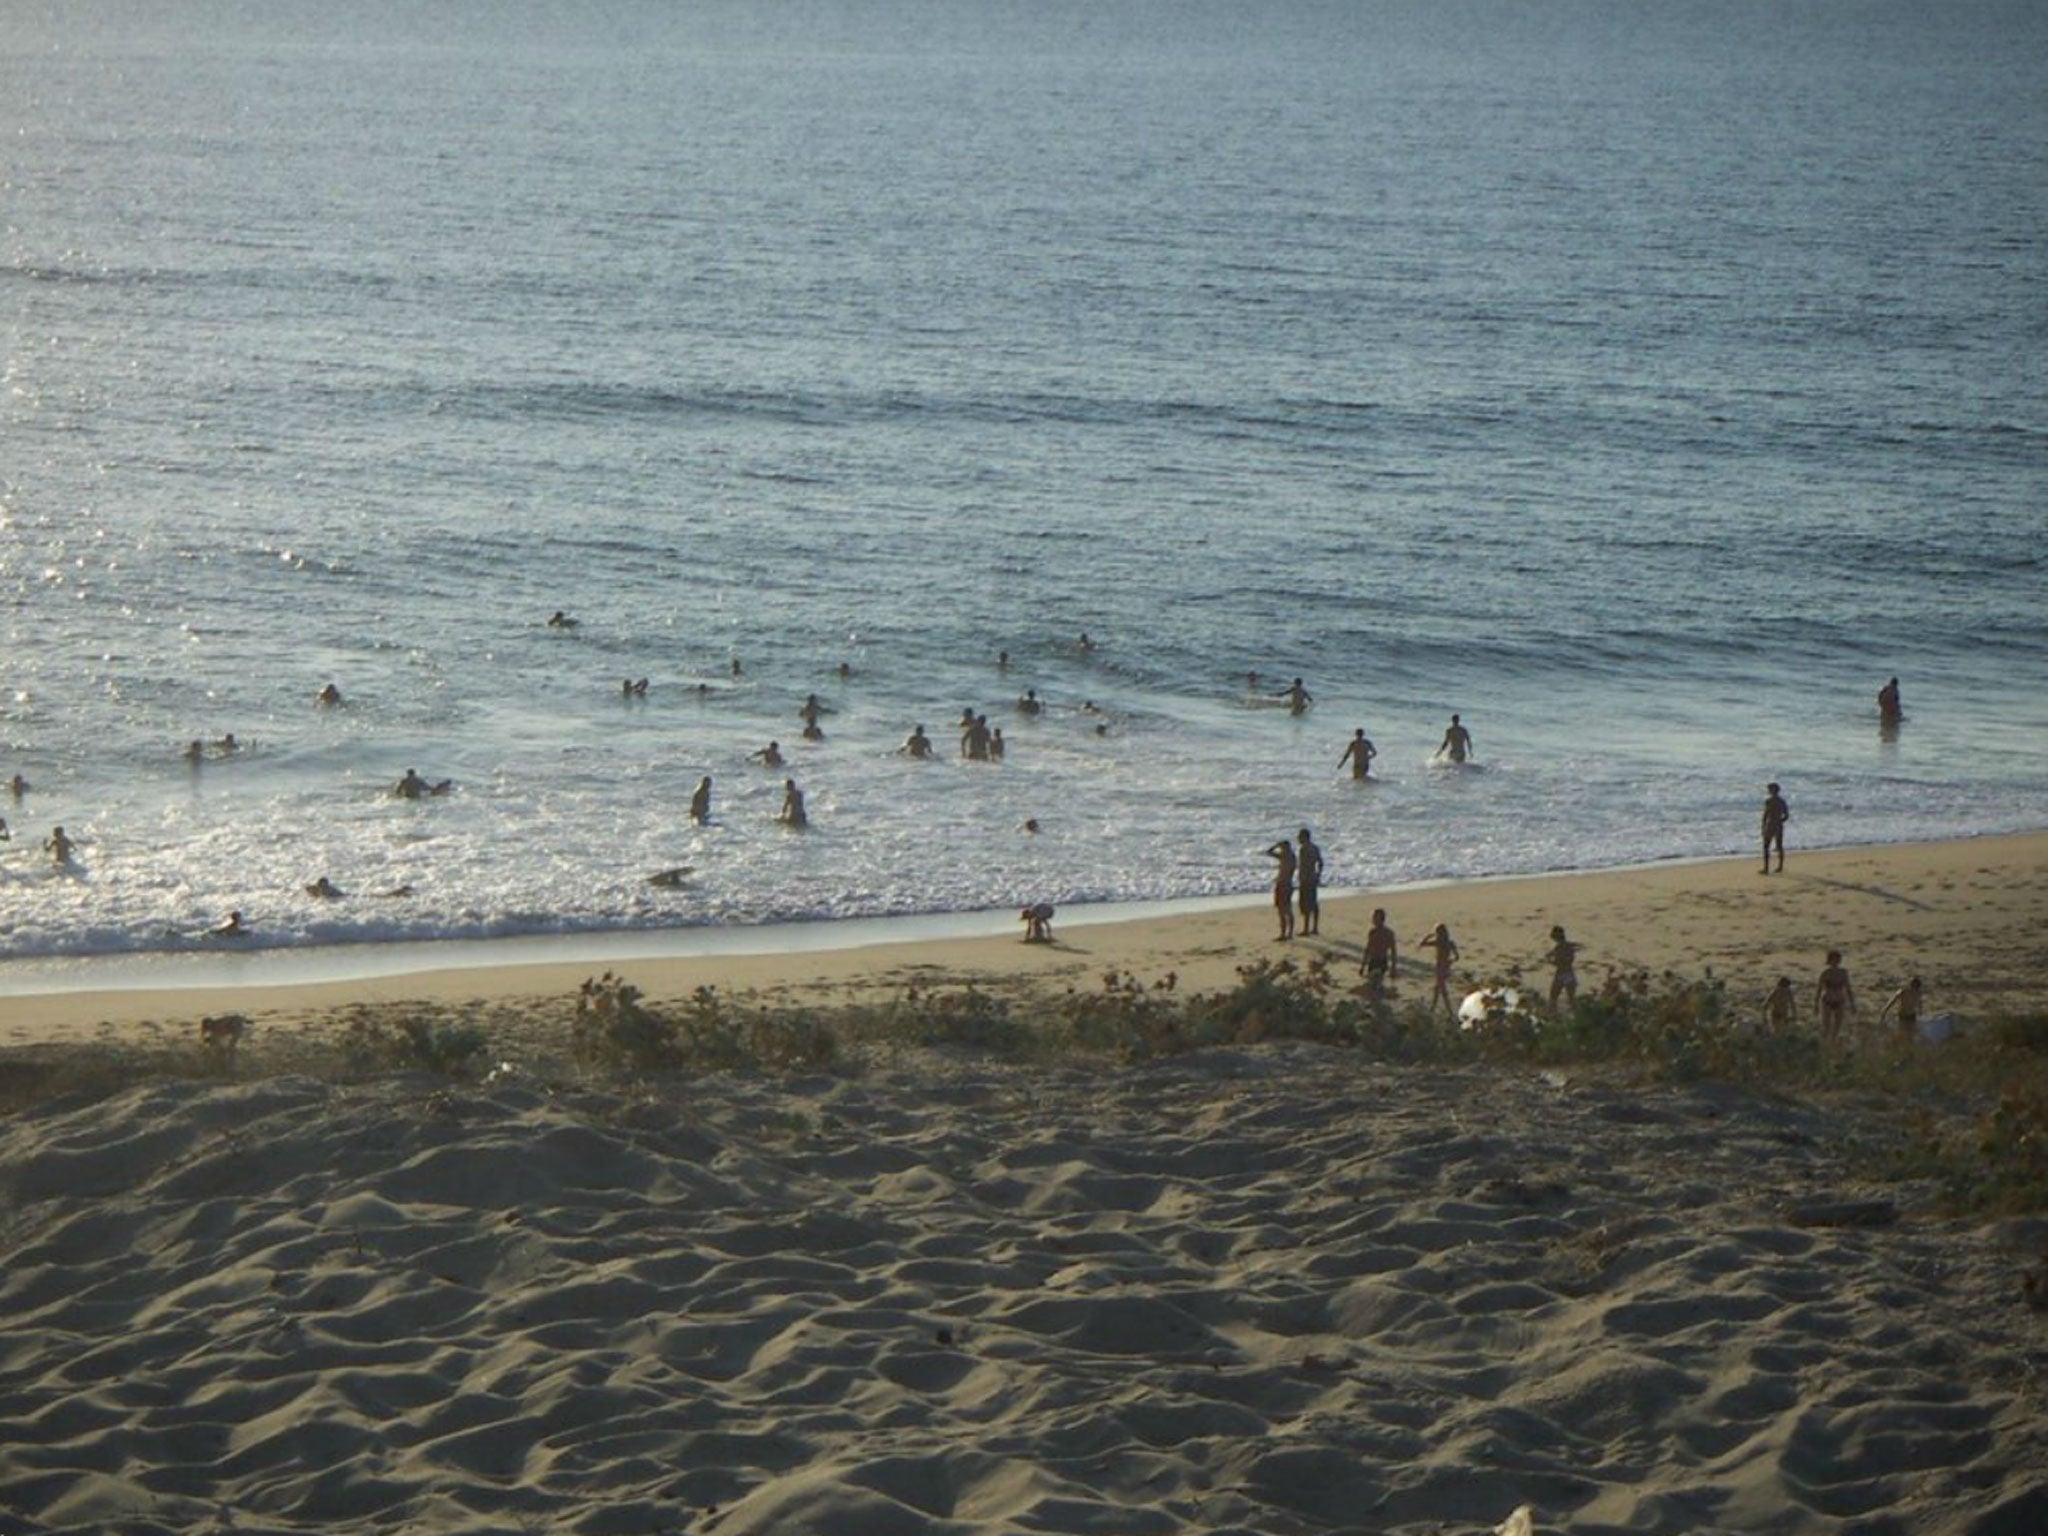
(1646, 384)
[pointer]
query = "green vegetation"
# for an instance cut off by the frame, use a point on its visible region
(1970, 1115)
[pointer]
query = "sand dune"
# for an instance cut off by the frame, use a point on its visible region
(1274, 1290)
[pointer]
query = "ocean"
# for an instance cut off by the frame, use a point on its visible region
(1644, 383)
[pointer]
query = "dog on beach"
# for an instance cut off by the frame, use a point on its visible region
(221, 1035)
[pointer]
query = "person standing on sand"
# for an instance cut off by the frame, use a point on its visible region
(700, 801)
(1781, 1006)
(1776, 814)
(1833, 999)
(1456, 746)
(1906, 1003)
(1564, 976)
(1382, 953)
(1359, 753)
(1308, 873)
(1283, 885)
(1446, 956)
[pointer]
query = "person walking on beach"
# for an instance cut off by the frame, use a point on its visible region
(1308, 874)
(1833, 999)
(1456, 746)
(1382, 953)
(1776, 814)
(1359, 753)
(1906, 1003)
(1283, 885)
(1446, 956)
(700, 801)
(1564, 976)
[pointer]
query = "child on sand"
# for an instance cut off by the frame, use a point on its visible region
(1781, 1006)
(1446, 956)
(1564, 977)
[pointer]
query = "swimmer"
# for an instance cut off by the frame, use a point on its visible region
(995, 745)
(561, 620)
(1308, 875)
(1030, 703)
(1002, 661)
(811, 709)
(1457, 743)
(812, 731)
(1359, 753)
(1031, 825)
(700, 801)
(1776, 813)
(1298, 698)
(412, 786)
(1084, 642)
(1564, 978)
(1889, 706)
(227, 746)
(1382, 953)
(917, 744)
(230, 929)
(1446, 956)
(59, 848)
(845, 670)
(737, 669)
(793, 814)
(1282, 853)
(17, 786)
(325, 889)
(634, 688)
(328, 697)
(669, 879)
(974, 739)
(5, 835)
(195, 752)
(769, 756)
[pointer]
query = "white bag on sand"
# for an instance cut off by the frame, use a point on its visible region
(1521, 1523)
(1937, 1028)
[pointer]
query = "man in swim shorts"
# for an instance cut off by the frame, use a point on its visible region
(1776, 814)
(1457, 742)
(1381, 953)
(1308, 875)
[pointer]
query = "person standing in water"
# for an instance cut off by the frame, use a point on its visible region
(1359, 753)
(1889, 706)
(1308, 875)
(1457, 742)
(1776, 814)
(793, 813)
(1283, 885)
(700, 801)
(1297, 696)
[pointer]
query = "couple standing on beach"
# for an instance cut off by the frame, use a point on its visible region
(1303, 868)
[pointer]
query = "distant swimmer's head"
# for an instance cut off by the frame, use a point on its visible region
(1030, 823)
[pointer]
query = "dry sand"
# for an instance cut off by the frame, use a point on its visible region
(1276, 1290)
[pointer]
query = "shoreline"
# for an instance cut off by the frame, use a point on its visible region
(1962, 914)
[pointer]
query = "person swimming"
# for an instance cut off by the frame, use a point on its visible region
(561, 620)
(328, 697)
(769, 756)
(59, 847)
(917, 744)
(793, 813)
(325, 889)
(413, 787)
(1456, 746)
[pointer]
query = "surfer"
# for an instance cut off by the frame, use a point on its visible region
(1283, 885)
(917, 744)
(1889, 708)
(1359, 753)
(1308, 875)
(1456, 746)
(1564, 976)
(1298, 698)
(793, 814)
(1382, 953)
(769, 756)
(413, 787)
(1833, 998)
(59, 848)
(1446, 956)
(1775, 814)
(700, 801)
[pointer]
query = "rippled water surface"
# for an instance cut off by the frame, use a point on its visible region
(1646, 384)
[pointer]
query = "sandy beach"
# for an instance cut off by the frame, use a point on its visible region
(1275, 1288)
